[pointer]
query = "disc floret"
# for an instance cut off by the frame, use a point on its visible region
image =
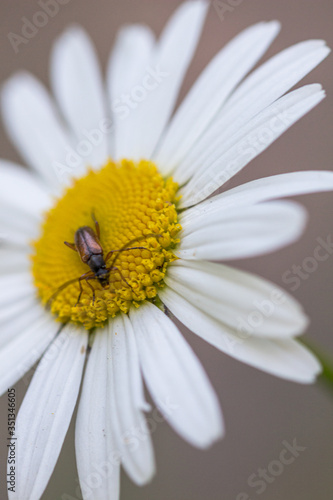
(130, 200)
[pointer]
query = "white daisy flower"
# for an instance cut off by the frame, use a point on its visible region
(146, 184)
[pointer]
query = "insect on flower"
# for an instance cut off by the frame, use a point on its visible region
(87, 244)
(154, 176)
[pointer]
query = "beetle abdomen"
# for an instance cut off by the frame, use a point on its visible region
(87, 243)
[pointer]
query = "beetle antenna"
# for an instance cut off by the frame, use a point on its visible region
(128, 244)
(61, 287)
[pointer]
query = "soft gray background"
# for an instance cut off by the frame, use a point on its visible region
(260, 411)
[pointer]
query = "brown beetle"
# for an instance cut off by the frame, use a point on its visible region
(87, 245)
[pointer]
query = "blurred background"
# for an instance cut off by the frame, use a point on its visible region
(261, 412)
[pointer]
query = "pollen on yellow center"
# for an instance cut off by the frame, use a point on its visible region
(129, 200)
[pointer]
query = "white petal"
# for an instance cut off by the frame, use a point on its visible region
(27, 306)
(22, 190)
(281, 72)
(237, 299)
(22, 351)
(175, 378)
(212, 89)
(13, 260)
(131, 52)
(267, 188)
(243, 232)
(174, 53)
(161, 81)
(14, 286)
(77, 85)
(269, 82)
(285, 358)
(46, 412)
(35, 128)
(229, 157)
(15, 318)
(127, 67)
(17, 227)
(132, 435)
(96, 454)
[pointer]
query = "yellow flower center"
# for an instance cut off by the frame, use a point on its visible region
(130, 201)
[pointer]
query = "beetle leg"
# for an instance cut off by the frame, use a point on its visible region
(128, 247)
(85, 276)
(71, 245)
(97, 228)
(63, 286)
(90, 285)
(123, 250)
(121, 275)
(81, 292)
